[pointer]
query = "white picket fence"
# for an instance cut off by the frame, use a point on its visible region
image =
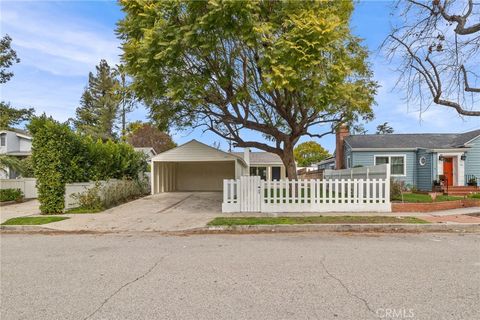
(250, 194)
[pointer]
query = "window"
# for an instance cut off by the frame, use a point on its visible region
(276, 173)
(2, 139)
(397, 164)
(259, 171)
(349, 162)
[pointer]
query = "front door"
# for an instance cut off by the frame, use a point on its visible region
(448, 171)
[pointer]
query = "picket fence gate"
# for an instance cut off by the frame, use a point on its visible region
(250, 194)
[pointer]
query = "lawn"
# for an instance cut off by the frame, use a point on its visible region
(20, 221)
(243, 221)
(80, 210)
(424, 198)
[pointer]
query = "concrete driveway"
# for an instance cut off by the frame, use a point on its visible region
(23, 209)
(160, 212)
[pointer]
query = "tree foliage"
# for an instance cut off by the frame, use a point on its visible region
(146, 135)
(281, 69)
(11, 117)
(309, 152)
(99, 105)
(437, 43)
(384, 128)
(61, 156)
(8, 57)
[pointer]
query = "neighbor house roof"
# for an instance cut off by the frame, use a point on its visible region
(406, 141)
(259, 158)
(146, 150)
(197, 152)
(19, 132)
(326, 161)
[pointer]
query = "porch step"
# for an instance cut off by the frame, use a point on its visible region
(461, 190)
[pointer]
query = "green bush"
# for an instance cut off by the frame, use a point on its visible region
(61, 156)
(11, 195)
(474, 196)
(114, 193)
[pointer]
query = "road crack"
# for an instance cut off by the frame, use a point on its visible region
(143, 275)
(350, 293)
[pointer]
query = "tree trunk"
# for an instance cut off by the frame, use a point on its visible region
(289, 162)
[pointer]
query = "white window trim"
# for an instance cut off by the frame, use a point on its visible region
(390, 162)
(349, 164)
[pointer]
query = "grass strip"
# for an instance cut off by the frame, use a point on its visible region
(22, 221)
(243, 221)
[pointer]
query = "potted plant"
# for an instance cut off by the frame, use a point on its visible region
(472, 182)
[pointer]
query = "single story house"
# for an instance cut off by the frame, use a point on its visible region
(16, 143)
(195, 166)
(420, 160)
(328, 163)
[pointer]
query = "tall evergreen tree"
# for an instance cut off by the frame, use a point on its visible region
(99, 105)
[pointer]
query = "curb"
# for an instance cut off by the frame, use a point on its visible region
(434, 227)
(27, 228)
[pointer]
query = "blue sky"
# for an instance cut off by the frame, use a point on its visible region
(60, 42)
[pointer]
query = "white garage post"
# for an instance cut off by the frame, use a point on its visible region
(153, 173)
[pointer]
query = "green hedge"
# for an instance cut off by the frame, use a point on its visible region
(11, 195)
(61, 156)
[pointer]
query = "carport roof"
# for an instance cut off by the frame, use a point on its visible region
(195, 151)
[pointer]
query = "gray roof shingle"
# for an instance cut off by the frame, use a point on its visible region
(257, 158)
(419, 140)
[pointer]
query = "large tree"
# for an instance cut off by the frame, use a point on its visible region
(99, 105)
(284, 69)
(128, 100)
(146, 135)
(438, 43)
(310, 152)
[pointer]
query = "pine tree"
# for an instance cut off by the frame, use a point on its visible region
(99, 105)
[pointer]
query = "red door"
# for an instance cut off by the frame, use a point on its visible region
(448, 170)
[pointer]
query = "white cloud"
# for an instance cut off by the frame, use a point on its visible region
(62, 45)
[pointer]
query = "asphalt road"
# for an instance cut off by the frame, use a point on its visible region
(302, 276)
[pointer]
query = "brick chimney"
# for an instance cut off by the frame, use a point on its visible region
(342, 133)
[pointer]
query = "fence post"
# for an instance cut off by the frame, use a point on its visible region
(387, 185)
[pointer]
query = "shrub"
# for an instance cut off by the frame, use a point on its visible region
(111, 194)
(396, 189)
(474, 196)
(62, 156)
(11, 195)
(90, 199)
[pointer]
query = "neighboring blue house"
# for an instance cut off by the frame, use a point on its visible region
(416, 159)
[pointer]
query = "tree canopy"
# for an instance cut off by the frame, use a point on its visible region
(99, 105)
(146, 135)
(384, 128)
(281, 69)
(437, 45)
(9, 116)
(310, 152)
(8, 57)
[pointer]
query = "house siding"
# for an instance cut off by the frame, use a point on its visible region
(366, 158)
(472, 163)
(425, 173)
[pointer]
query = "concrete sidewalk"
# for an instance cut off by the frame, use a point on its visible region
(179, 211)
(23, 209)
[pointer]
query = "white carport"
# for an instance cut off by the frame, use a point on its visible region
(194, 166)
